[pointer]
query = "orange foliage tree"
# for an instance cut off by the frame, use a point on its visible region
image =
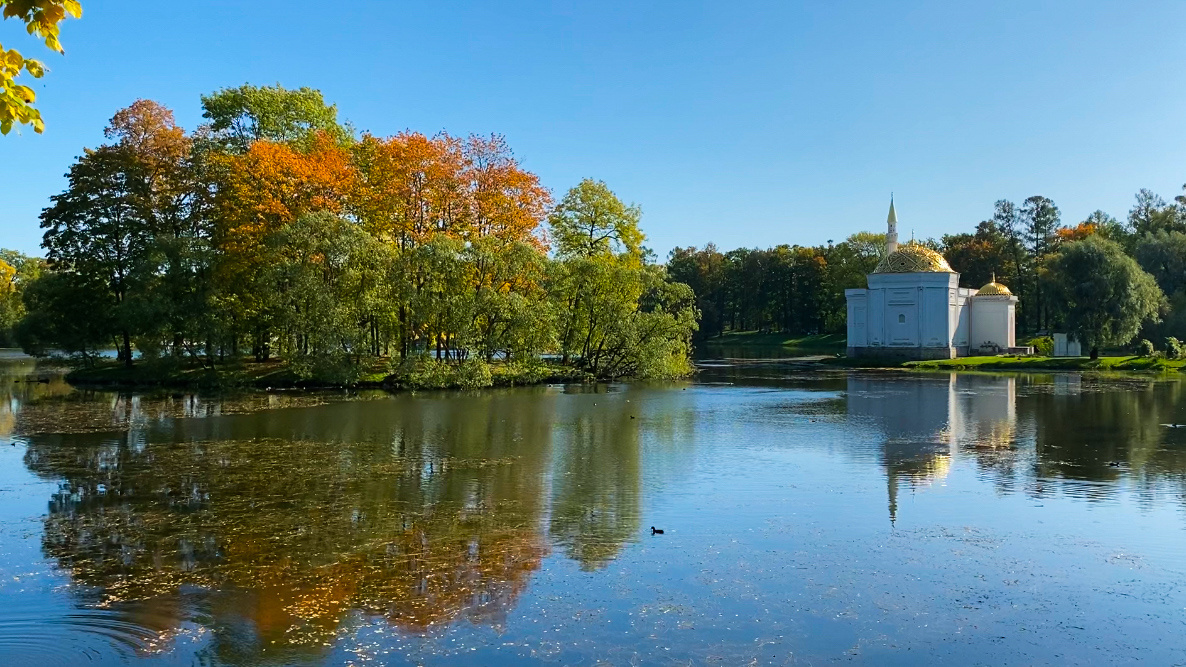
(259, 193)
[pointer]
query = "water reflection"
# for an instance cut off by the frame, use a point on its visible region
(421, 511)
(276, 525)
(1038, 434)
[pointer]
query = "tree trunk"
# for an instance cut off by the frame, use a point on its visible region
(1095, 353)
(127, 351)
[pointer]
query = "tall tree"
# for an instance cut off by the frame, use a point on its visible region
(1040, 220)
(96, 229)
(17, 273)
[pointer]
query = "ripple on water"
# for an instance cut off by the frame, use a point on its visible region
(95, 636)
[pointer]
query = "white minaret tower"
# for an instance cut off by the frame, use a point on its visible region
(891, 234)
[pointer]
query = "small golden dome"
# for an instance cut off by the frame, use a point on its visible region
(994, 288)
(913, 258)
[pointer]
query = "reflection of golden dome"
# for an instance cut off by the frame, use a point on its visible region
(994, 289)
(913, 258)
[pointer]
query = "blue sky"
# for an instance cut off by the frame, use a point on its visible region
(744, 124)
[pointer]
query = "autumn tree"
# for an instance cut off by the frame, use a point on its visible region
(980, 256)
(257, 194)
(41, 18)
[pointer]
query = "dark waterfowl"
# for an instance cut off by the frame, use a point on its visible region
(656, 531)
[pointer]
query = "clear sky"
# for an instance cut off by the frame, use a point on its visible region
(744, 124)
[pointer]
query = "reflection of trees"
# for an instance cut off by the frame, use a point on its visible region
(595, 481)
(1039, 433)
(21, 383)
(429, 510)
(1101, 428)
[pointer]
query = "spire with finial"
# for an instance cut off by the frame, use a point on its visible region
(891, 235)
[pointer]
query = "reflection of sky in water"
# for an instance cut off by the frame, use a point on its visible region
(883, 517)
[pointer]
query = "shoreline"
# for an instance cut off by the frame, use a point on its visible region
(1122, 363)
(280, 375)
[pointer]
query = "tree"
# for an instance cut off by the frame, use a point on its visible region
(72, 312)
(241, 116)
(592, 221)
(323, 277)
(703, 271)
(257, 194)
(17, 273)
(1101, 295)
(1008, 221)
(96, 229)
(42, 19)
(509, 203)
(598, 281)
(981, 256)
(1151, 214)
(1040, 221)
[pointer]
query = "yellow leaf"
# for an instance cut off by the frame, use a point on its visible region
(74, 7)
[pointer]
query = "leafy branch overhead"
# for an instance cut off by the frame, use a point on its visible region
(42, 19)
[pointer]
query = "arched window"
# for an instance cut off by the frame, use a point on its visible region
(901, 318)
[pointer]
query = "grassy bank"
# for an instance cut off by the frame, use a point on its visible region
(1110, 363)
(816, 343)
(278, 374)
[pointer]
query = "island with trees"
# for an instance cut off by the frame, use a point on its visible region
(276, 246)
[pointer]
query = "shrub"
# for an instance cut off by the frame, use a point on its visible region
(1043, 345)
(428, 373)
(1173, 348)
(328, 369)
(473, 374)
(1145, 348)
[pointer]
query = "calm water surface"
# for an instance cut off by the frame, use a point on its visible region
(809, 518)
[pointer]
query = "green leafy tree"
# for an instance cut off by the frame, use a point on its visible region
(1100, 294)
(1040, 220)
(324, 272)
(17, 273)
(240, 116)
(1163, 255)
(71, 312)
(96, 229)
(1152, 214)
(591, 221)
(41, 19)
(510, 310)
(1007, 219)
(703, 271)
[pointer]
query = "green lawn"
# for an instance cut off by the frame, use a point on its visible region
(1115, 363)
(820, 342)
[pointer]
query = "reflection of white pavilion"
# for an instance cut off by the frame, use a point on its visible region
(927, 420)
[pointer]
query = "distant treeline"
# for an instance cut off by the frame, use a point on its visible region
(274, 230)
(1107, 280)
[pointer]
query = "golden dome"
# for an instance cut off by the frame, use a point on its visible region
(913, 258)
(994, 288)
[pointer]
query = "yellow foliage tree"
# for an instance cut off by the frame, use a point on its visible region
(41, 19)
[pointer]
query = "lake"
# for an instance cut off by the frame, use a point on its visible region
(808, 517)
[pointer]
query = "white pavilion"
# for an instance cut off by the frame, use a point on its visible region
(914, 308)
